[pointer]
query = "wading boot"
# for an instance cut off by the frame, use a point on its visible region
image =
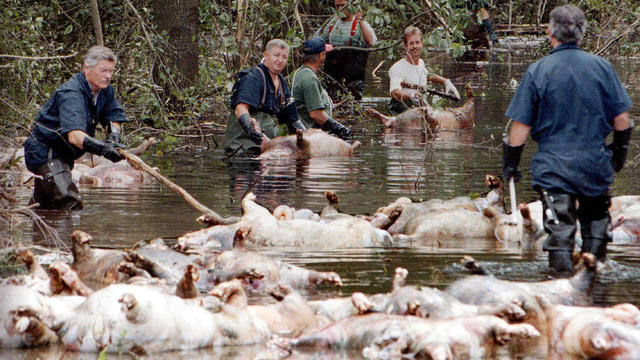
(561, 263)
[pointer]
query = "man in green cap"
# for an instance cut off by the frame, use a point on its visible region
(312, 101)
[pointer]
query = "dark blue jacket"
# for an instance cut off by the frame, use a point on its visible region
(250, 89)
(71, 107)
(569, 98)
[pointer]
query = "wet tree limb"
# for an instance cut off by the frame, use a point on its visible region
(137, 163)
(39, 57)
(629, 29)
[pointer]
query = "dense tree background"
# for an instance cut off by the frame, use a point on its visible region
(177, 59)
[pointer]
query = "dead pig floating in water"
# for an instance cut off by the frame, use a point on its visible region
(593, 332)
(479, 290)
(311, 143)
(260, 271)
(408, 336)
(457, 118)
(123, 318)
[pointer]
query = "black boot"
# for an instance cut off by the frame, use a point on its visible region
(492, 34)
(561, 262)
(595, 225)
(559, 219)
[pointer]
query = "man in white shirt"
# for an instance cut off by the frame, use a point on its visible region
(410, 74)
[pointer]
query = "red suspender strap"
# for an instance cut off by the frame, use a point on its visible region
(354, 24)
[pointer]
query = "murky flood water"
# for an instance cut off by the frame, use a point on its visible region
(388, 165)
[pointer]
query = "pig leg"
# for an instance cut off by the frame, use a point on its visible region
(319, 277)
(130, 307)
(361, 302)
(230, 292)
(399, 278)
(503, 332)
(26, 256)
(511, 311)
(470, 264)
(63, 277)
(388, 121)
(439, 352)
(186, 287)
(34, 331)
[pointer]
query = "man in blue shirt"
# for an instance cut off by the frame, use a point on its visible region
(261, 93)
(569, 101)
(65, 127)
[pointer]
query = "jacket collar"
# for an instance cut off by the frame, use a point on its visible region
(84, 84)
(565, 47)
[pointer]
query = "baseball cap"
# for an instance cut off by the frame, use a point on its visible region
(315, 45)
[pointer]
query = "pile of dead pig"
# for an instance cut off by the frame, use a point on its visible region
(155, 298)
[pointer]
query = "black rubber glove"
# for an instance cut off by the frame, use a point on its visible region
(98, 147)
(510, 160)
(114, 135)
(619, 148)
(296, 125)
(335, 128)
(492, 34)
(245, 124)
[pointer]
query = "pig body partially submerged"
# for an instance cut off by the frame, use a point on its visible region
(593, 332)
(462, 117)
(311, 143)
(395, 335)
(142, 319)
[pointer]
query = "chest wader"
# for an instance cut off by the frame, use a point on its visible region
(595, 227)
(347, 67)
(236, 137)
(55, 189)
(397, 107)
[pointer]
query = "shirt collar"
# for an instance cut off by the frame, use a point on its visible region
(565, 47)
(85, 84)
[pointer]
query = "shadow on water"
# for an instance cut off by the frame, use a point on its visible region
(389, 164)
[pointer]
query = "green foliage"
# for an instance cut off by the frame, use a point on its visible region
(146, 84)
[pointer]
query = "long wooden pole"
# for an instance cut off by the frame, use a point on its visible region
(137, 163)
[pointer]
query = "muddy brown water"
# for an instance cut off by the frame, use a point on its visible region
(388, 165)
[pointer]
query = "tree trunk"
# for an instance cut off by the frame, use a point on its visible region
(97, 26)
(180, 19)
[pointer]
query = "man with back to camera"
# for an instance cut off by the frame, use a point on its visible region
(65, 127)
(411, 70)
(569, 101)
(261, 93)
(312, 101)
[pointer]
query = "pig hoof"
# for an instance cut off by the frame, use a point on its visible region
(524, 331)
(80, 237)
(281, 344)
(361, 302)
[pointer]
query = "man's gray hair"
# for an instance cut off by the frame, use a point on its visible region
(567, 24)
(279, 43)
(98, 53)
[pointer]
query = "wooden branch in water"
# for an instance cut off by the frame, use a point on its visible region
(137, 163)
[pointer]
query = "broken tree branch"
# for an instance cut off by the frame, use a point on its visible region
(137, 163)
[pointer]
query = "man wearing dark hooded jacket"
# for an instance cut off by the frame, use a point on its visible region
(66, 126)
